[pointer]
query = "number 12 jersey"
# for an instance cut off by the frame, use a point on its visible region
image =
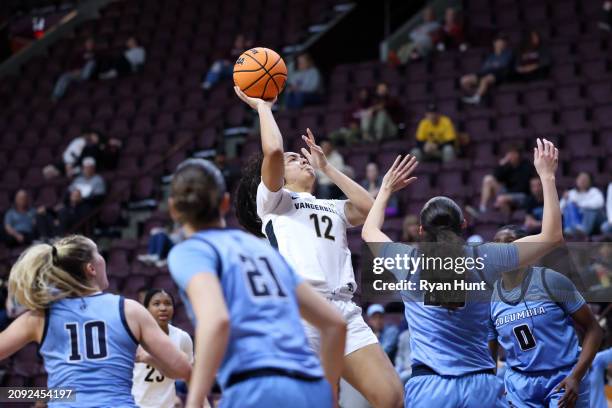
(311, 234)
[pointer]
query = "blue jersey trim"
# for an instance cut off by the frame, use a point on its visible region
(219, 262)
(124, 320)
(271, 235)
(45, 329)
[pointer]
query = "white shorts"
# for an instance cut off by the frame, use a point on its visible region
(358, 333)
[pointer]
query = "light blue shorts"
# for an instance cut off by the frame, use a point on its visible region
(278, 391)
(469, 391)
(535, 391)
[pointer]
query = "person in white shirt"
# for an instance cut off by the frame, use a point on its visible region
(131, 60)
(606, 227)
(582, 207)
(274, 199)
(326, 187)
(151, 388)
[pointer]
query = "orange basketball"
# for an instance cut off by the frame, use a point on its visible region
(260, 73)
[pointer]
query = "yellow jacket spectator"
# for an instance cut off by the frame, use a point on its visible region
(435, 137)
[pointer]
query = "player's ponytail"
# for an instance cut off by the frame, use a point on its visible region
(246, 196)
(441, 220)
(46, 273)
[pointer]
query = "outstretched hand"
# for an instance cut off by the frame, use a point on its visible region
(398, 175)
(545, 158)
(254, 103)
(315, 157)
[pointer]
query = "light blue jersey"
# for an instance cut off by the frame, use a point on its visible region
(88, 346)
(453, 342)
(532, 324)
(259, 290)
(452, 364)
(597, 378)
(533, 321)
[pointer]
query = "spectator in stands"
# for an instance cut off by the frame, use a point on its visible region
(73, 155)
(605, 22)
(131, 60)
(509, 184)
(599, 271)
(435, 137)
(494, 70)
(372, 184)
(387, 333)
(372, 179)
(82, 68)
(410, 229)
(223, 67)
(453, 35)
(422, 38)
(534, 207)
(304, 85)
(403, 359)
(70, 215)
(20, 221)
(326, 189)
(161, 242)
(606, 227)
(104, 152)
(351, 132)
(91, 185)
(583, 207)
(380, 120)
(533, 60)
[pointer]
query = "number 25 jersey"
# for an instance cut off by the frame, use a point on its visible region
(311, 234)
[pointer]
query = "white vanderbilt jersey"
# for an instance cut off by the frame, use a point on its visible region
(311, 235)
(150, 388)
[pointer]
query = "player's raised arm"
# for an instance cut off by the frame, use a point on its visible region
(359, 200)
(212, 334)
(273, 166)
(396, 178)
(318, 312)
(25, 329)
(532, 247)
(163, 353)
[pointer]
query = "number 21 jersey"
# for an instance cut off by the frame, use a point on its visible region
(311, 234)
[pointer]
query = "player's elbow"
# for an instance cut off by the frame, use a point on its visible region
(183, 369)
(368, 234)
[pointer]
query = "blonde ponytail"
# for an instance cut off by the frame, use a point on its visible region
(46, 273)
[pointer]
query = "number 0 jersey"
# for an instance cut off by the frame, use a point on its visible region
(311, 234)
(532, 322)
(88, 346)
(259, 291)
(151, 389)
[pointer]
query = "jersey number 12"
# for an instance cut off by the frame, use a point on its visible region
(324, 220)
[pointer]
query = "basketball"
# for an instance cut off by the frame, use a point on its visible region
(260, 73)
